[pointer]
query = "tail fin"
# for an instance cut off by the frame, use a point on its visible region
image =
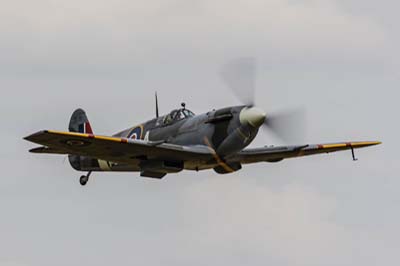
(80, 123)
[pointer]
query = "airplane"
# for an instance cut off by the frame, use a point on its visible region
(181, 140)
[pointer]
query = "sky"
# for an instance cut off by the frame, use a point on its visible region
(337, 58)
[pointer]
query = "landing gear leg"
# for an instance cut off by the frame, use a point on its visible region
(84, 179)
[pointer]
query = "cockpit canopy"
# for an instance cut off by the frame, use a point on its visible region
(176, 115)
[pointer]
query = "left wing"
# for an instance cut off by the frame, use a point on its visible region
(276, 154)
(114, 149)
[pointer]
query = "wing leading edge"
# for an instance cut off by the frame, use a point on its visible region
(275, 154)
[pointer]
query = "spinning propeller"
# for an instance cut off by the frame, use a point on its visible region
(240, 77)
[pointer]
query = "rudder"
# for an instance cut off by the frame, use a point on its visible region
(80, 123)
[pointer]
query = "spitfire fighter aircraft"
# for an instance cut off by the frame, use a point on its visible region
(181, 140)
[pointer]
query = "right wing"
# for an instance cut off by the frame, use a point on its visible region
(275, 154)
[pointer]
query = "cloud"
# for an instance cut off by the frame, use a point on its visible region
(108, 35)
(293, 225)
(12, 263)
(307, 213)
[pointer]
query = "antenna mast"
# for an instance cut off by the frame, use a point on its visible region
(157, 114)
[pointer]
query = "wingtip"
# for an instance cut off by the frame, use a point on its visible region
(366, 143)
(31, 136)
(372, 143)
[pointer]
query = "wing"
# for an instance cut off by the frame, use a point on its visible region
(275, 154)
(114, 149)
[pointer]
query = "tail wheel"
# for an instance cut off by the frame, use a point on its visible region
(83, 180)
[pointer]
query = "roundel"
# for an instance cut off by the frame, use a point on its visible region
(136, 133)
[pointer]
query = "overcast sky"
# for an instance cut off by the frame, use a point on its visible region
(338, 58)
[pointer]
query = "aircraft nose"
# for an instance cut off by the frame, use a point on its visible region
(253, 116)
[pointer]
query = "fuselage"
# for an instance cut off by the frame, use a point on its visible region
(216, 129)
(224, 131)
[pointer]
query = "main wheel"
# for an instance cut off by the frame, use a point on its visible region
(83, 180)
